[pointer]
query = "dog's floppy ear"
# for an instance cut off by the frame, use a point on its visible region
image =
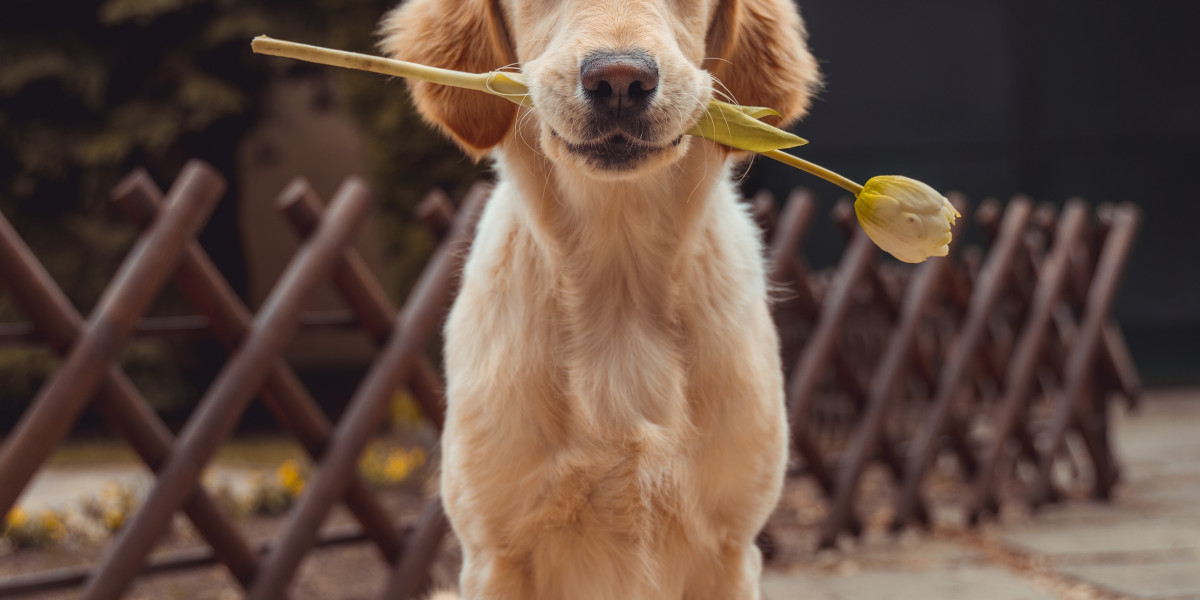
(759, 51)
(464, 35)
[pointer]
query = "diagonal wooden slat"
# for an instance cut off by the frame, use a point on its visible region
(118, 401)
(1079, 267)
(283, 393)
(363, 292)
(367, 297)
(226, 399)
(784, 270)
(1028, 355)
(1005, 332)
(58, 404)
(908, 353)
(421, 316)
(955, 372)
(870, 438)
(1074, 403)
(411, 575)
(819, 352)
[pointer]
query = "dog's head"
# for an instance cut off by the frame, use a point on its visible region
(615, 83)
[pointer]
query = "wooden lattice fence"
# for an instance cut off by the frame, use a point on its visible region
(973, 356)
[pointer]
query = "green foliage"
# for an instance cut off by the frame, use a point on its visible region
(23, 370)
(91, 89)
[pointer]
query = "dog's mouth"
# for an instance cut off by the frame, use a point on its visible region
(616, 152)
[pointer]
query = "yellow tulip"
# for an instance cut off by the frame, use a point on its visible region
(905, 217)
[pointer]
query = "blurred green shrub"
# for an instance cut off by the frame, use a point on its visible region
(92, 89)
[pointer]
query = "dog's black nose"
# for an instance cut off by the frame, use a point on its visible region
(619, 85)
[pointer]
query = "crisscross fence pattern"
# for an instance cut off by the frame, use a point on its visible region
(90, 348)
(997, 359)
(971, 356)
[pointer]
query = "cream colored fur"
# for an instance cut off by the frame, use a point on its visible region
(616, 426)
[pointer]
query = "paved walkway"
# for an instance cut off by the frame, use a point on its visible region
(61, 487)
(1146, 544)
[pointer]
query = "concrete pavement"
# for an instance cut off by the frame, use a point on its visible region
(1145, 544)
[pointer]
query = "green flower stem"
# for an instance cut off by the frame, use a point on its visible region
(503, 84)
(743, 127)
(819, 171)
(362, 62)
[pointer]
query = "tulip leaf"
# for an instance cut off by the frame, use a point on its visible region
(739, 127)
(759, 112)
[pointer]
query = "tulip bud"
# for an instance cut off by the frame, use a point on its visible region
(905, 217)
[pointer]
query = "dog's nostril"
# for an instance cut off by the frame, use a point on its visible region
(619, 82)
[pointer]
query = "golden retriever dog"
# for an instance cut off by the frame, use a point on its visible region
(616, 426)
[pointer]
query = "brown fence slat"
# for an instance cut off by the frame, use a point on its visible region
(411, 575)
(1027, 356)
(818, 353)
(951, 380)
(421, 316)
(366, 296)
(1074, 402)
(283, 393)
(224, 402)
(118, 401)
(869, 440)
(152, 258)
(783, 268)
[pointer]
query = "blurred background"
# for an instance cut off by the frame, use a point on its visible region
(991, 98)
(90, 93)
(988, 97)
(1051, 99)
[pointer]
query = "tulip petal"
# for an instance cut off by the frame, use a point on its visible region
(905, 217)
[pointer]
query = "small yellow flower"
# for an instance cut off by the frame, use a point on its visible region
(16, 518)
(113, 519)
(405, 410)
(290, 477)
(52, 525)
(396, 469)
(905, 217)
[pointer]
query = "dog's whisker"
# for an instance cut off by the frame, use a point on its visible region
(723, 90)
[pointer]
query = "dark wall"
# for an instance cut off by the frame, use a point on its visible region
(1048, 98)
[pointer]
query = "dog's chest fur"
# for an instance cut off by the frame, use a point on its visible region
(614, 369)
